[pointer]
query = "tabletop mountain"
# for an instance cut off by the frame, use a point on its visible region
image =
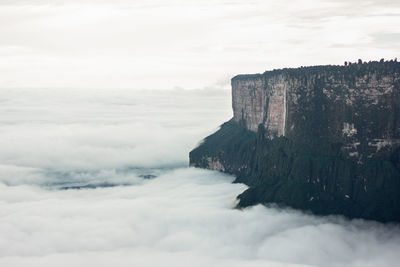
(321, 138)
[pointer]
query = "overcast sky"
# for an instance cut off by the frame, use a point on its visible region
(184, 43)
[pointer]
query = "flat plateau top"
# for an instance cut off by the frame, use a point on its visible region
(358, 69)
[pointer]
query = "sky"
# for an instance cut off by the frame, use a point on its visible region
(189, 44)
(54, 141)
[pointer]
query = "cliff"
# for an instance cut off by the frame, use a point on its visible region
(323, 138)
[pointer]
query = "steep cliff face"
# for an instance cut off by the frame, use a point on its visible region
(357, 105)
(323, 138)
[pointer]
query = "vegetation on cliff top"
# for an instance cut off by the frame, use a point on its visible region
(349, 69)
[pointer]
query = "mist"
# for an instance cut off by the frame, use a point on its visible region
(101, 178)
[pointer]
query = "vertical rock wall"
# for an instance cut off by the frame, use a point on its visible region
(257, 100)
(249, 100)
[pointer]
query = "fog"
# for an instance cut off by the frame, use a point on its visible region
(101, 178)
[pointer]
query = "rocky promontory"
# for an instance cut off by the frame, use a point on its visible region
(324, 139)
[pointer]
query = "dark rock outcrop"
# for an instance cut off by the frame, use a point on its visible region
(324, 139)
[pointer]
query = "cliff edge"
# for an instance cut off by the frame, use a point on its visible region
(322, 138)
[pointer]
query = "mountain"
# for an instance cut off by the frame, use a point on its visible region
(323, 138)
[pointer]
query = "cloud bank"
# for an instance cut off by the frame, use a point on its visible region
(54, 139)
(183, 217)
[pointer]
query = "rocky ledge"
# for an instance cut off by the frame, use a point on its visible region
(324, 139)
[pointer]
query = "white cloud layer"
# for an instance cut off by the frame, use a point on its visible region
(52, 139)
(191, 44)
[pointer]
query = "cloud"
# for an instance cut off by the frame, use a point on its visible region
(104, 141)
(55, 132)
(182, 217)
(191, 44)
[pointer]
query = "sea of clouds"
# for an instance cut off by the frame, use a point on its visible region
(75, 190)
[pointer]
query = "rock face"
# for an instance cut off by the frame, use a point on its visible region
(324, 138)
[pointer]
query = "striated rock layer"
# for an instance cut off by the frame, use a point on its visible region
(324, 138)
